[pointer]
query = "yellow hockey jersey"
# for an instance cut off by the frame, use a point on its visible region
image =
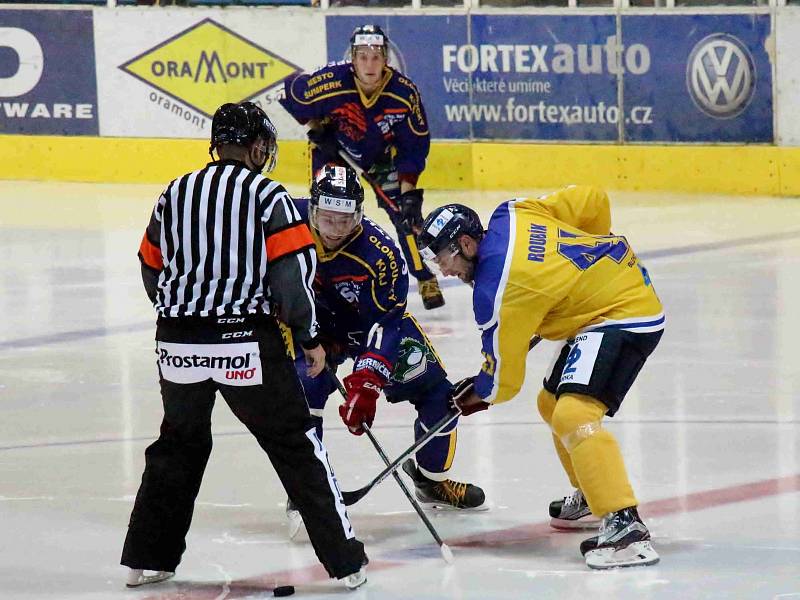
(549, 266)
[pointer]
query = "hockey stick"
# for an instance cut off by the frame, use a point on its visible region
(354, 496)
(351, 498)
(345, 155)
(409, 235)
(447, 554)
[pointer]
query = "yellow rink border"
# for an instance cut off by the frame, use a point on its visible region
(762, 170)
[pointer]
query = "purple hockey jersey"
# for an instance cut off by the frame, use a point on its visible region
(392, 117)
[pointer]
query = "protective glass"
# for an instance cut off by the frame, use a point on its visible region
(334, 223)
(270, 149)
(443, 259)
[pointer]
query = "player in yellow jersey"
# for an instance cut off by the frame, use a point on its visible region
(550, 267)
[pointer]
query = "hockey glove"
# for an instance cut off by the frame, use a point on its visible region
(411, 209)
(463, 397)
(324, 139)
(363, 388)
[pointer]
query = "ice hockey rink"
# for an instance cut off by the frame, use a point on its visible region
(710, 431)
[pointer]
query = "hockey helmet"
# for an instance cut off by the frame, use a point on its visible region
(337, 201)
(241, 125)
(371, 36)
(444, 226)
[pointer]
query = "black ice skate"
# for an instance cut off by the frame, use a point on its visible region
(447, 494)
(572, 512)
(431, 293)
(623, 541)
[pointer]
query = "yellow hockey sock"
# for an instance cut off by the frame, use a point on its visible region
(595, 454)
(547, 403)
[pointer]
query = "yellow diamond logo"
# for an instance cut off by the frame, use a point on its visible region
(208, 65)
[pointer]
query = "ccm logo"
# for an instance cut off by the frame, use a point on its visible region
(237, 320)
(237, 334)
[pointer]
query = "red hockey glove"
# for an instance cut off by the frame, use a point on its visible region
(463, 397)
(363, 388)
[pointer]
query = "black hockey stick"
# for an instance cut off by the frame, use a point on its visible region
(351, 498)
(447, 554)
(354, 496)
(345, 155)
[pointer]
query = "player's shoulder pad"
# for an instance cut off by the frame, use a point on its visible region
(381, 251)
(372, 229)
(402, 83)
(331, 78)
(405, 91)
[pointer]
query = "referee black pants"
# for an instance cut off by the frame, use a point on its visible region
(274, 411)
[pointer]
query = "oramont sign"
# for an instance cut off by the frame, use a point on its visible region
(208, 65)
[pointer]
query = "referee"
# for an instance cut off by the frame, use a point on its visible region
(226, 254)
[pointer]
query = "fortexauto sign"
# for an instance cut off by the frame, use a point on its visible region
(551, 77)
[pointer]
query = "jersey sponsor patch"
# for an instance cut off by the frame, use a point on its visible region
(231, 364)
(439, 222)
(581, 358)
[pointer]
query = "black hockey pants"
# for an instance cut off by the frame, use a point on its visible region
(242, 351)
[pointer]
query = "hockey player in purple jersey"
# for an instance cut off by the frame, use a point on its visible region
(375, 114)
(361, 286)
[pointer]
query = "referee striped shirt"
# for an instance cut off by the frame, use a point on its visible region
(225, 240)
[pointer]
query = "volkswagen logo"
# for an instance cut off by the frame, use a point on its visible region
(721, 76)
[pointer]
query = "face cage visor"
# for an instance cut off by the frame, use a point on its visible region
(335, 217)
(369, 41)
(270, 149)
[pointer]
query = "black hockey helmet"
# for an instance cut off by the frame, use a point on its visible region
(444, 226)
(241, 125)
(372, 36)
(336, 189)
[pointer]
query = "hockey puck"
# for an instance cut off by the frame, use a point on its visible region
(283, 590)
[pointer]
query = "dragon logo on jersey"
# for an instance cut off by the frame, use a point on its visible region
(207, 65)
(350, 120)
(721, 76)
(412, 360)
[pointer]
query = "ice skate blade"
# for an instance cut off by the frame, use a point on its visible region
(356, 580)
(575, 524)
(444, 506)
(136, 577)
(637, 554)
(295, 523)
